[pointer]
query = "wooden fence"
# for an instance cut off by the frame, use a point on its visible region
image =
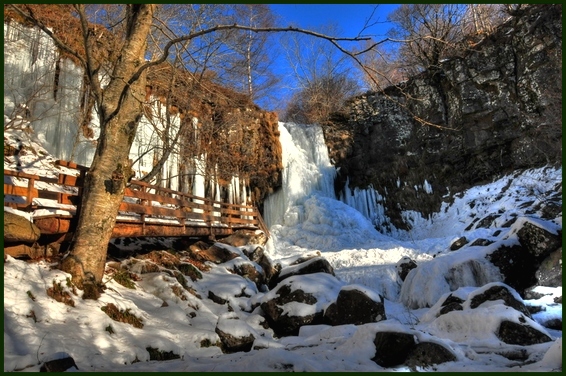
(147, 210)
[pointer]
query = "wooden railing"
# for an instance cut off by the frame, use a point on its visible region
(147, 210)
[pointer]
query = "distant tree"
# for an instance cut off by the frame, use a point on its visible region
(429, 33)
(120, 100)
(324, 77)
(249, 68)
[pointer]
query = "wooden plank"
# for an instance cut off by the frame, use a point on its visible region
(19, 174)
(14, 190)
(73, 165)
(151, 210)
(130, 230)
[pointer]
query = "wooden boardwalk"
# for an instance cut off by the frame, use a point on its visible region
(147, 210)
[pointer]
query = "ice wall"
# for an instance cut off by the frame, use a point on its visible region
(307, 170)
(44, 91)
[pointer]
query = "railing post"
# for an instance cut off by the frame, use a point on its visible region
(29, 197)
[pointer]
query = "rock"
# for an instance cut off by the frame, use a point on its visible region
(537, 240)
(481, 243)
(216, 254)
(497, 114)
(451, 303)
(245, 237)
(520, 334)
(235, 334)
(517, 265)
(282, 323)
(355, 306)
(248, 270)
(18, 229)
(425, 354)
(550, 271)
(404, 266)
(163, 258)
(258, 256)
(458, 243)
(487, 221)
(392, 348)
(499, 292)
(291, 305)
(61, 363)
(316, 264)
(554, 323)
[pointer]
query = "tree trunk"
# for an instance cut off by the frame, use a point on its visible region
(120, 110)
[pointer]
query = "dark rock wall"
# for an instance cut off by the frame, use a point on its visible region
(494, 108)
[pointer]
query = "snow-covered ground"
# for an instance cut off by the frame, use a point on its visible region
(37, 328)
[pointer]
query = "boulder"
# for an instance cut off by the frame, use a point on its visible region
(426, 354)
(537, 240)
(451, 303)
(316, 264)
(249, 270)
(517, 266)
(162, 258)
(520, 334)
(550, 271)
(458, 243)
(258, 256)
(281, 322)
(235, 334)
(216, 253)
(299, 300)
(355, 305)
(392, 348)
(59, 362)
(18, 229)
(245, 237)
(499, 292)
(26, 252)
(404, 266)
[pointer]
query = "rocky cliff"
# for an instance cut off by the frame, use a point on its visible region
(494, 108)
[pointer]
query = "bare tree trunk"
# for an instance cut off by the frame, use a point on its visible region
(120, 111)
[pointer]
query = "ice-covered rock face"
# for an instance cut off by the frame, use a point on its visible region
(498, 109)
(44, 89)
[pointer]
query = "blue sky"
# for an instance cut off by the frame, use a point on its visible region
(349, 20)
(349, 17)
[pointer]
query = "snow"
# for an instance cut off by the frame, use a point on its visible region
(305, 219)
(41, 329)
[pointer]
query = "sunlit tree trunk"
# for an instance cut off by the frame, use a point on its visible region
(119, 112)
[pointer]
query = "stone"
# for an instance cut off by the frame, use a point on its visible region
(451, 303)
(426, 354)
(517, 266)
(537, 240)
(458, 243)
(284, 324)
(355, 307)
(215, 254)
(392, 348)
(404, 266)
(63, 363)
(18, 229)
(499, 292)
(550, 271)
(312, 265)
(520, 334)
(245, 237)
(232, 342)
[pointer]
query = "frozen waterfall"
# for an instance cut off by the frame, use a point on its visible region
(307, 170)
